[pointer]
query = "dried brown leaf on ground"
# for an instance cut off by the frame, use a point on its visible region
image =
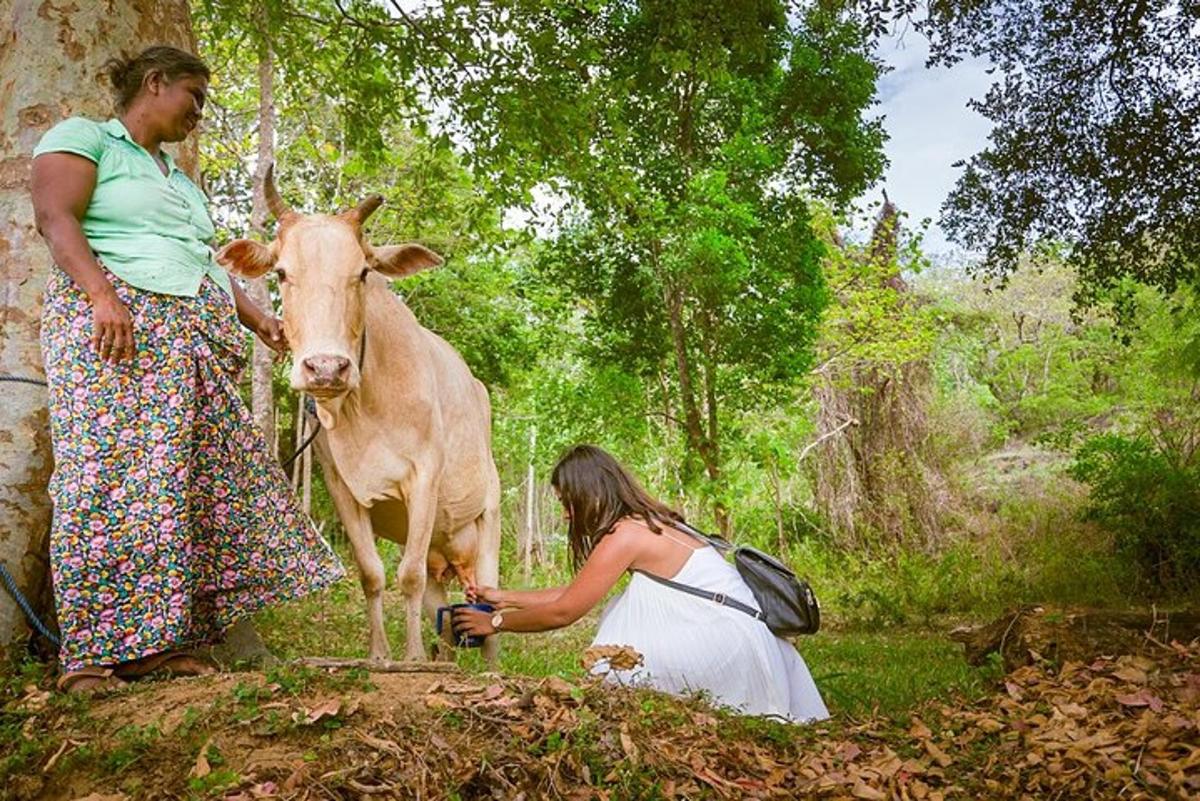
(616, 657)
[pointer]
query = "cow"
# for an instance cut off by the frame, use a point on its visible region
(405, 444)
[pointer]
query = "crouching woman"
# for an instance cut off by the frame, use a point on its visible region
(688, 644)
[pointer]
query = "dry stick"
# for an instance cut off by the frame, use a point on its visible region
(809, 447)
(1004, 636)
(381, 666)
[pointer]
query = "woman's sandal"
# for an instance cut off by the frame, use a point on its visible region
(90, 680)
(172, 663)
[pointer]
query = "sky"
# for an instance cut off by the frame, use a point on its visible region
(929, 128)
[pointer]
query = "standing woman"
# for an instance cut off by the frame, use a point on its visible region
(171, 519)
(688, 644)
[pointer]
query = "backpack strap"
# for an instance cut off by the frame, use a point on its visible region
(722, 545)
(716, 597)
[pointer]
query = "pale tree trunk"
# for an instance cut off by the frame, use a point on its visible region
(527, 540)
(302, 470)
(306, 463)
(261, 400)
(50, 59)
(299, 438)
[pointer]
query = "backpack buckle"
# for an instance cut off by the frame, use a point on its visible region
(719, 597)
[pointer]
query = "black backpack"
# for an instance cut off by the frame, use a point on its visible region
(789, 606)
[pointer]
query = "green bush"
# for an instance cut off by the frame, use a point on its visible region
(1148, 493)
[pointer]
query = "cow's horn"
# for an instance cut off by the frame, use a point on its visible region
(362, 211)
(274, 201)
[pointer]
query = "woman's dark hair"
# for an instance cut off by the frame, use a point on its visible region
(597, 492)
(128, 74)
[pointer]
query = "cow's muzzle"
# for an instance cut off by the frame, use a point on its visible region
(325, 374)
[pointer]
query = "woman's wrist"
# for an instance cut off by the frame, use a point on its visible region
(248, 313)
(250, 317)
(103, 293)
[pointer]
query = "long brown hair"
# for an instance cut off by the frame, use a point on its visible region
(597, 491)
(128, 74)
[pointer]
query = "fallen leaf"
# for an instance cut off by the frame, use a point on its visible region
(1142, 697)
(293, 781)
(325, 709)
(615, 657)
(628, 747)
(919, 730)
(939, 756)
(202, 768)
(1130, 674)
(441, 702)
(558, 686)
(865, 791)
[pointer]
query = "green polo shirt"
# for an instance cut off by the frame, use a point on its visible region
(150, 230)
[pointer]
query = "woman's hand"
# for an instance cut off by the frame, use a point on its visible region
(265, 325)
(112, 328)
(270, 331)
(485, 595)
(472, 622)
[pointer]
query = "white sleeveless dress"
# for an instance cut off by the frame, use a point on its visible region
(692, 644)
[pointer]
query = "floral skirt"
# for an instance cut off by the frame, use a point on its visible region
(171, 519)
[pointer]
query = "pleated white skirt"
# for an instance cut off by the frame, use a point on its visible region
(692, 645)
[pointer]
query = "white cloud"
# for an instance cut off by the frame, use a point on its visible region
(929, 127)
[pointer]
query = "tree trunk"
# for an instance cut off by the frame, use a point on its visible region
(777, 499)
(692, 427)
(50, 58)
(306, 463)
(529, 535)
(261, 400)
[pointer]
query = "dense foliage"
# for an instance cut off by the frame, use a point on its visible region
(1097, 128)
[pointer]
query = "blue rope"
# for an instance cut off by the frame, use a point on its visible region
(23, 602)
(310, 407)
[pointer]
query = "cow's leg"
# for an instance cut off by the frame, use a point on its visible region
(357, 522)
(411, 574)
(487, 567)
(434, 598)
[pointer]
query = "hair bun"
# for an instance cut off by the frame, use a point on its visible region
(117, 70)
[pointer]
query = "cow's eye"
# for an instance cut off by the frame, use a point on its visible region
(279, 271)
(363, 275)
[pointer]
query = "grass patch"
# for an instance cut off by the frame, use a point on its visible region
(861, 673)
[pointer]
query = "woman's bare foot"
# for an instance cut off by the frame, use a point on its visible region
(171, 663)
(90, 680)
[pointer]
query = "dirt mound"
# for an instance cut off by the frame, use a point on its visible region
(1124, 727)
(1029, 634)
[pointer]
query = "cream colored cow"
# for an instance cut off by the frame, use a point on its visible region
(406, 441)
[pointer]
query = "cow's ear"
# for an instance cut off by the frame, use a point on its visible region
(246, 258)
(401, 260)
